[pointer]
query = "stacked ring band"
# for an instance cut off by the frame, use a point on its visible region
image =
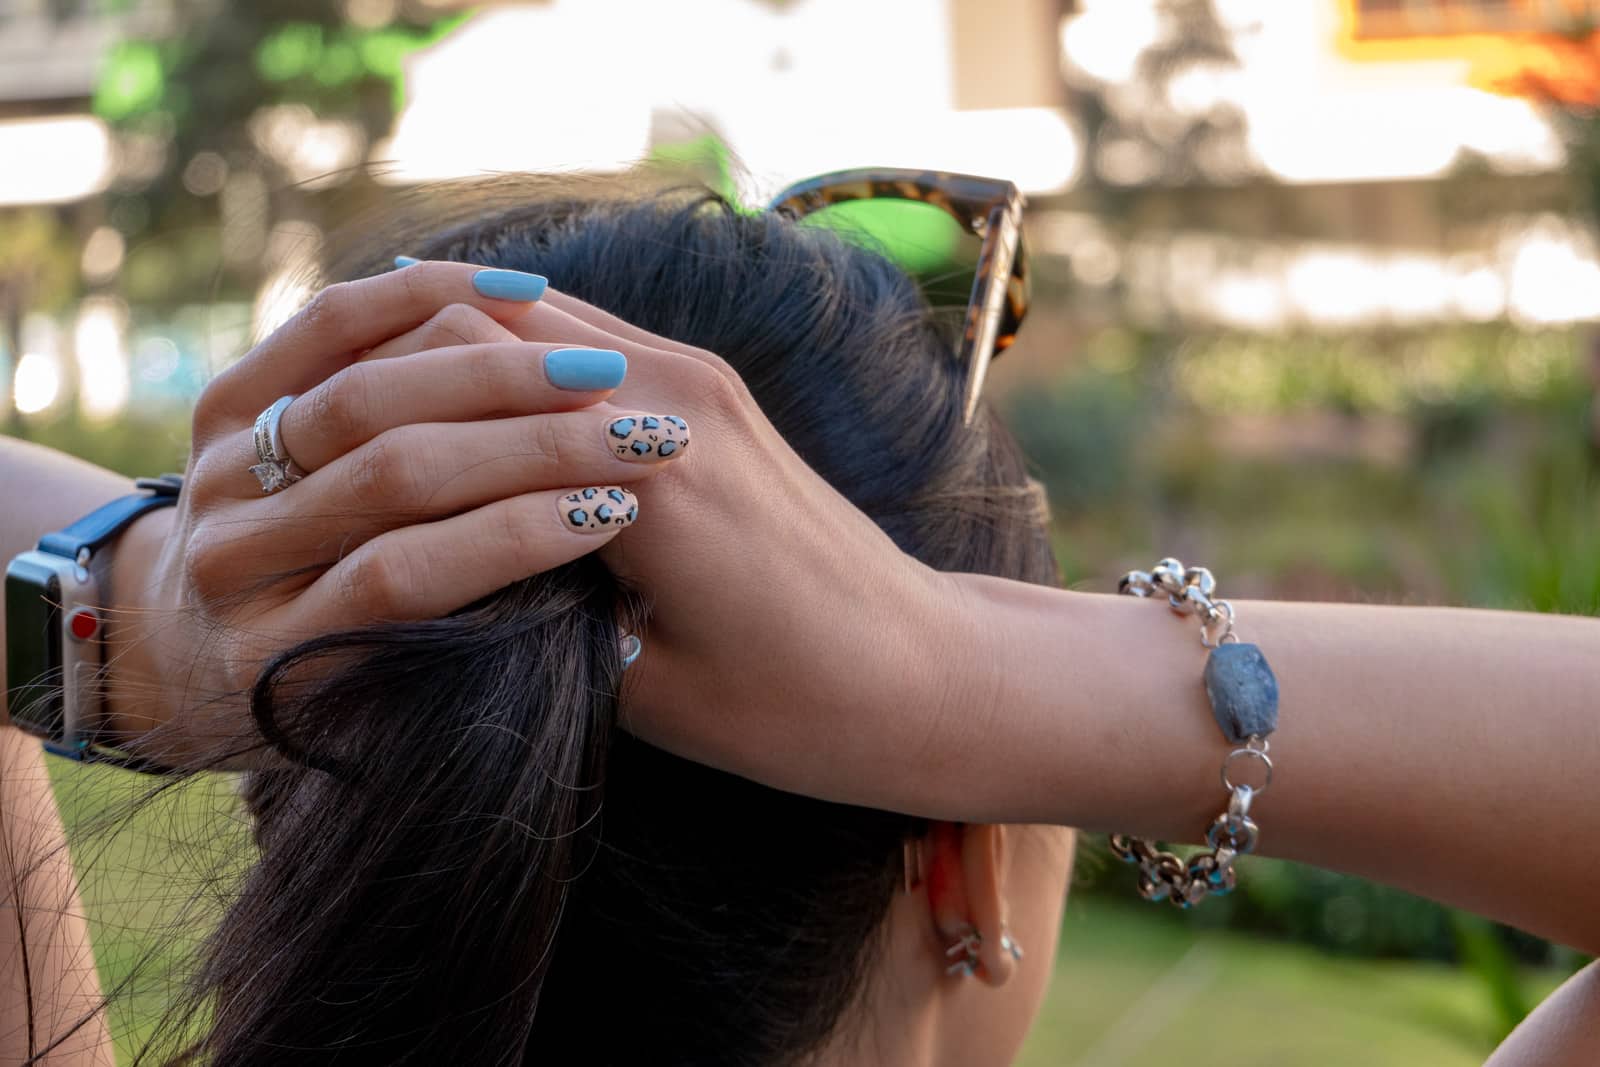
(275, 470)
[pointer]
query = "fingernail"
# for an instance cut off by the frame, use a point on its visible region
(405, 261)
(598, 509)
(647, 438)
(585, 368)
(509, 284)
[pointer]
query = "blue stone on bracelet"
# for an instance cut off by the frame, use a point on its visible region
(1242, 690)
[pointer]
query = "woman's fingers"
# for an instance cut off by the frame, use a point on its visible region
(590, 315)
(346, 319)
(442, 385)
(425, 472)
(429, 570)
(457, 324)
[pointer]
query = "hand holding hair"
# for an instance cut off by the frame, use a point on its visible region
(436, 457)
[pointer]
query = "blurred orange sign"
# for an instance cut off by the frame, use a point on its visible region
(1418, 18)
(1547, 49)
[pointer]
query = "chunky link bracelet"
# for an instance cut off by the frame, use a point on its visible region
(1244, 700)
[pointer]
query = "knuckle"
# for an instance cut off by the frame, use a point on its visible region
(387, 473)
(412, 280)
(379, 580)
(485, 371)
(341, 408)
(327, 308)
(218, 410)
(718, 364)
(518, 531)
(242, 657)
(721, 390)
(456, 324)
(543, 442)
(208, 565)
(205, 485)
(466, 322)
(210, 410)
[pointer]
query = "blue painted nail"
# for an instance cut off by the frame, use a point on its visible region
(509, 284)
(585, 368)
(406, 261)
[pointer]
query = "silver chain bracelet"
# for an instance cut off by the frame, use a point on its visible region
(1244, 700)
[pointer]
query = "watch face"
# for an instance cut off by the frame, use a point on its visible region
(33, 643)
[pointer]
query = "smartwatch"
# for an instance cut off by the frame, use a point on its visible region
(55, 628)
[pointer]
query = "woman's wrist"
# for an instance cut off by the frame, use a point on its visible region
(998, 741)
(135, 699)
(1048, 737)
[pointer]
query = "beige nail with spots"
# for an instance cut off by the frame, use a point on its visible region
(598, 509)
(647, 438)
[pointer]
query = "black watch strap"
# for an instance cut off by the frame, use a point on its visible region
(104, 523)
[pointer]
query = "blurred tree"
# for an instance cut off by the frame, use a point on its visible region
(1561, 71)
(234, 118)
(38, 272)
(1157, 135)
(1173, 122)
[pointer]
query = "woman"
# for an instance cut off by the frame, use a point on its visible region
(440, 881)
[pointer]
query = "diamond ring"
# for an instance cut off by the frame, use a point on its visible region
(276, 470)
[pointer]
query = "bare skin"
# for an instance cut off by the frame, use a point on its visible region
(1447, 751)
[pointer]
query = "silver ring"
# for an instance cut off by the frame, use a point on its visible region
(275, 470)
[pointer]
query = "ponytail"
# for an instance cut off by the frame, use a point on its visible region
(414, 867)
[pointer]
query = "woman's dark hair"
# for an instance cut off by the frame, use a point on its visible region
(474, 865)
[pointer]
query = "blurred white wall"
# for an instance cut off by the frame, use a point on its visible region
(794, 90)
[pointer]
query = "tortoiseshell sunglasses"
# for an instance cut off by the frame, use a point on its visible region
(988, 208)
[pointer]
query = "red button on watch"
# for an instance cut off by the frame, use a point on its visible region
(83, 624)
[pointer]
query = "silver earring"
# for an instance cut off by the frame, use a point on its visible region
(965, 954)
(631, 647)
(1009, 944)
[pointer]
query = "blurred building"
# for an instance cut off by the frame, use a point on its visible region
(52, 148)
(794, 89)
(1243, 164)
(1342, 164)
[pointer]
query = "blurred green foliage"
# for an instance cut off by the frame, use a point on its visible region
(191, 98)
(135, 445)
(1373, 372)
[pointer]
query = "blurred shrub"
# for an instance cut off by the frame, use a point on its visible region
(1532, 500)
(1337, 912)
(1376, 371)
(132, 445)
(1081, 433)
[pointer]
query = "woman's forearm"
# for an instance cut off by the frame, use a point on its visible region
(49, 991)
(48, 984)
(1451, 752)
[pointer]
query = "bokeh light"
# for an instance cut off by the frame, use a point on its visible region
(37, 382)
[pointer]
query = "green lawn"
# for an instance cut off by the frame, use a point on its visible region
(1135, 985)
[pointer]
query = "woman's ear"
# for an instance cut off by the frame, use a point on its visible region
(966, 894)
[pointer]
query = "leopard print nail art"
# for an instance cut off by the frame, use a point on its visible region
(647, 438)
(599, 509)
